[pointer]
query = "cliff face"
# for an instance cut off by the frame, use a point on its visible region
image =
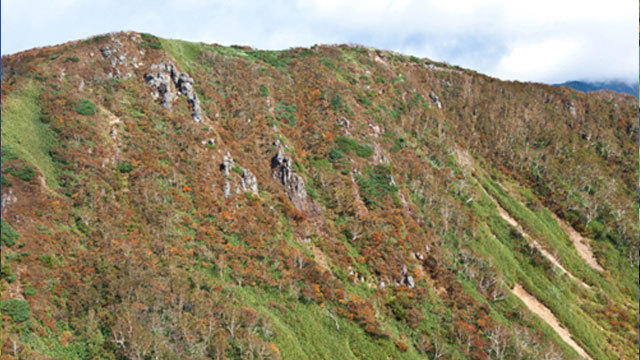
(167, 199)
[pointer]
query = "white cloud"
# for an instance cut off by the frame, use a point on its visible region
(533, 61)
(544, 40)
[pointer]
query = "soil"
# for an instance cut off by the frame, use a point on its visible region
(539, 309)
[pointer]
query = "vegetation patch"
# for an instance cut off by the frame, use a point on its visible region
(286, 113)
(376, 185)
(85, 107)
(24, 135)
(18, 310)
(26, 173)
(350, 145)
(150, 41)
(125, 167)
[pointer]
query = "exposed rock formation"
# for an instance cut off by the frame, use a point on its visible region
(249, 181)
(435, 100)
(292, 182)
(162, 81)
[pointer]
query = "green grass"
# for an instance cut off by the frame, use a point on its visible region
(85, 107)
(559, 293)
(25, 134)
(375, 186)
(150, 41)
(347, 145)
(186, 53)
(307, 331)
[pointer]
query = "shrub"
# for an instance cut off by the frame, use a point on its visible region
(125, 167)
(8, 234)
(8, 153)
(29, 290)
(264, 91)
(364, 101)
(7, 274)
(27, 173)
(237, 169)
(401, 345)
(335, 154)
(47, 260)
(5, 181)
(85, 107)
(286, 112)
(376, 185)
(18, 310)
(346, 145)
(72, 59)
(97, 38)
(150, 41)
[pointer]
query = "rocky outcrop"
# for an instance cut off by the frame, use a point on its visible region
(162, 83)
(227, 164)
(407, 279)
(106, 52)
(292, 182)
(185, 85)
(164, 79)
(249, 181)
(435, 100)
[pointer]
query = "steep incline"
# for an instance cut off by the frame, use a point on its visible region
(176, 200)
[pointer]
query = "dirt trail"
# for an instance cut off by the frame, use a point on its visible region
(539, 309)
(582, 244)
(466, 161)
(505, 215)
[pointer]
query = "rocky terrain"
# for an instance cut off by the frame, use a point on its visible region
(164, 199)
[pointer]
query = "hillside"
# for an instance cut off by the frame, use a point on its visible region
(163, 199)
(586, 86)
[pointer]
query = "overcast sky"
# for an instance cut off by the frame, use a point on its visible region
(542, 40)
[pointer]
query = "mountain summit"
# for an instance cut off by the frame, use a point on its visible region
(164, 199)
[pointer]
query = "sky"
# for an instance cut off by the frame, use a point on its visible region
(543, 41)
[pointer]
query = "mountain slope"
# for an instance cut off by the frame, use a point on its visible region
(168, 199)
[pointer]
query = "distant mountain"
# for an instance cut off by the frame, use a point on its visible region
(586, 86)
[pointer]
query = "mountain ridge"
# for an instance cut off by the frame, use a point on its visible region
(330, 202)
(588, 86)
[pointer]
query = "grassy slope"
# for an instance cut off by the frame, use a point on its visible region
(562, 295)
(23, 131)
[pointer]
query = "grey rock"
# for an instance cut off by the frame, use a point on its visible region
(167, 74)
(292, 182)
(408, 280)
(227, 164)
(197, 115)
(343, 122)
(161, 81)
(249, 181)
(227, 188)
(106, 52)
(8, 199)
(435, 100)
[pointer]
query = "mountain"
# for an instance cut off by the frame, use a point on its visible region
(586, 86)
(164, 199)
